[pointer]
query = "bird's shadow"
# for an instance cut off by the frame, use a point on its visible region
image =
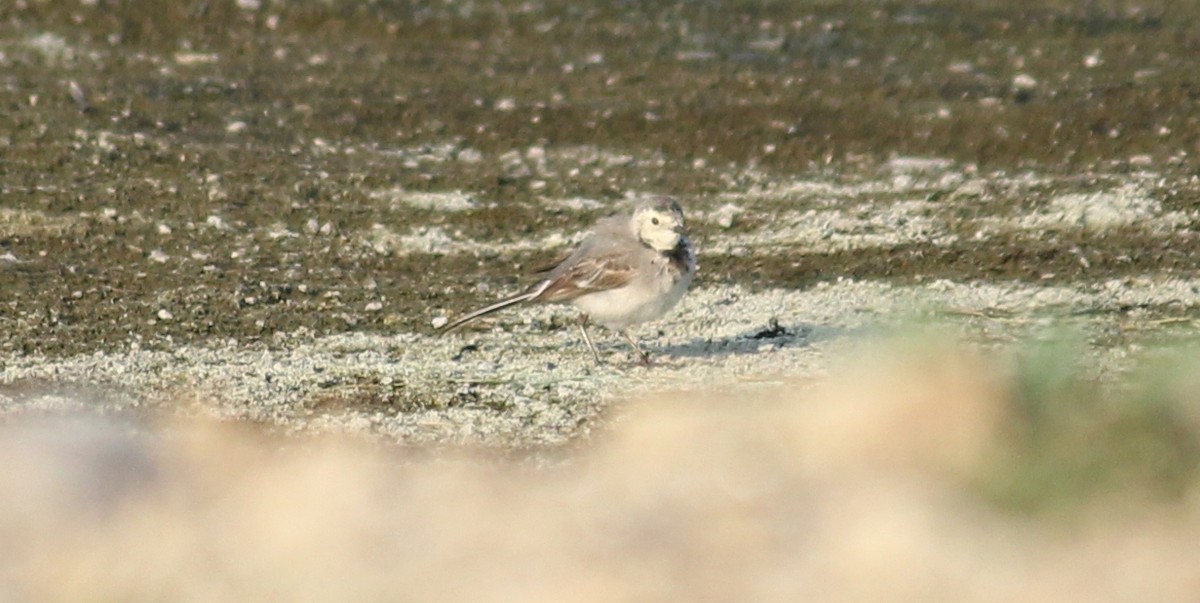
(774, 334)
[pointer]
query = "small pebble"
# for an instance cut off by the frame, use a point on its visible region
(726, 215)
(469, 156)
(1023, 81)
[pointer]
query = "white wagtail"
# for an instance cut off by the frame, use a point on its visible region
(630, 269)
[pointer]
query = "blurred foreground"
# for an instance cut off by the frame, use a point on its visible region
(898, 480)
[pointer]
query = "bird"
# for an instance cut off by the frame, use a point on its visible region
(630, 269)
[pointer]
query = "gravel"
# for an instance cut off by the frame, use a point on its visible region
(526, 380)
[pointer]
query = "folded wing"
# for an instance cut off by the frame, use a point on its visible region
(588, 275)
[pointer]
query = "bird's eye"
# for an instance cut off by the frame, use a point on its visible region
(654, 221)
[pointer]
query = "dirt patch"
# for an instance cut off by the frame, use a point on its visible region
(240, 178)
(919, 470)
(1060, 258)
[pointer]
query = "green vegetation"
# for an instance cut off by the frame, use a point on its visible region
(1078, 437)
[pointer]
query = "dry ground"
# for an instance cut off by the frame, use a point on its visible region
(254, 211)
(892, 480)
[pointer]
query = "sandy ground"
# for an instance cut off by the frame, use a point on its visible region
(227, 229)
(523, 379)
(884, 482)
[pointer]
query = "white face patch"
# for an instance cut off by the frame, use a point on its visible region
(659, 229)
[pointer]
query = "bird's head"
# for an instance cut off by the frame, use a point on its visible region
(659, 223)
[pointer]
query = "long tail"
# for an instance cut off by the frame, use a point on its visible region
(496, 307)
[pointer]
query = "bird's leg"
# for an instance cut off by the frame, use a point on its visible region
(583, 320)
(643, 356)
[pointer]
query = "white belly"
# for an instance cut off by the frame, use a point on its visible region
(637, 302)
